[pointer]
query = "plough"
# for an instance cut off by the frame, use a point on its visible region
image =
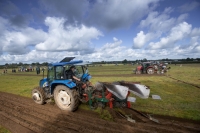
(116, 94)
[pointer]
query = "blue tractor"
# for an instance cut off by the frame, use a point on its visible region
(67, 93)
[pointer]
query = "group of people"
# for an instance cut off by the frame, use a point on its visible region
(38, 70)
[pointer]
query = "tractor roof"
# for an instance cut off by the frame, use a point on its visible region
(67, 63)
(67, 59)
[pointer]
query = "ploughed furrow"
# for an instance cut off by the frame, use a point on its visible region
(173, 125)
(150, 126)
(31, 117)
(11, 124)
(37, 124)
(22, 118)
(35, 120)
(79, 119)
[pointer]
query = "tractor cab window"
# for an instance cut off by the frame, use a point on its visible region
(59, 72)
(55, 73)
(50, 75)
(78, 72)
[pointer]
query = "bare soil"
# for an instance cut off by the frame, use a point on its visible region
(21, 115)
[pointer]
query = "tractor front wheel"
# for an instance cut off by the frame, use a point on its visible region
(150, 71)
(138, 72)
(38, 95)
(65, 98)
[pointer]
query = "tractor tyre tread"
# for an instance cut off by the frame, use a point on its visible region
(42, 95)
(150, 72)
(74, 97)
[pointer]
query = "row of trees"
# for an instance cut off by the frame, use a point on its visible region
(125, 61)
(20, 64)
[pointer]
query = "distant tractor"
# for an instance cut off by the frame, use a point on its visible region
(151, 68)
(146, 68)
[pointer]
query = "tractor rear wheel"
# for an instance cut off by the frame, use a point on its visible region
(150, 71)
(38, 95)
(65, 98)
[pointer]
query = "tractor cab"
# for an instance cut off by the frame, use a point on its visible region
(57, 74)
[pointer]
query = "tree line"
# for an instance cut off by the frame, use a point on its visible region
(125, 61)
(20, 64)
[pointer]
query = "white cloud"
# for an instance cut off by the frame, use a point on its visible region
(189, 6)
(177, 33)
(195, 32)
(197, 49)
(36, 56)
(67, 38)
(167, 36)
(157, 24)
(182, 18)
(108, 14)
(111, 46)
(162, 34)
(17, 41)
(115, 39)
(162, 22)
(141, 39)
(114, 14)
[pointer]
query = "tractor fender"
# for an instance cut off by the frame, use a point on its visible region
(43, 82)
(70, 84)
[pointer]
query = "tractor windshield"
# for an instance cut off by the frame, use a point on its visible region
(80, 70)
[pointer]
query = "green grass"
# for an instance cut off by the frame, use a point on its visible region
(20, 85)
(3, 130)
(177, 98)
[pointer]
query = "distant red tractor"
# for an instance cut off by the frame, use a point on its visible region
(145, 68)
(151, 68)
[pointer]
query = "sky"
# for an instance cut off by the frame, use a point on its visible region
(98, 30)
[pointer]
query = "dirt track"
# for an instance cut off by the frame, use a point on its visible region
(22, 115)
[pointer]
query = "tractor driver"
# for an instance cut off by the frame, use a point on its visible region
(70, 74)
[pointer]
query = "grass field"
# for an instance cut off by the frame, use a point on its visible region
(3, 130)
(177, 98)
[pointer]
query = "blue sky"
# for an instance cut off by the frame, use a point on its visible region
(98, 30)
